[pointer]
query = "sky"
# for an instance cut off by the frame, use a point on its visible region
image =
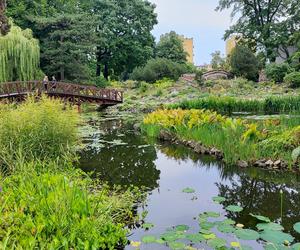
(194, 19)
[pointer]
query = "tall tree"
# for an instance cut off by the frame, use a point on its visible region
(267, 23)
(19, 55)
(171, 47)
(4, 23)
(124, 34)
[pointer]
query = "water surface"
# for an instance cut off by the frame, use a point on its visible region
(118, 155)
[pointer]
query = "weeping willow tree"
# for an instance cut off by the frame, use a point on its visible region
(19, 55)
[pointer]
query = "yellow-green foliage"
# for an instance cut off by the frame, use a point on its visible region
(61, 211)
(237, 138)
(19, 55)
(40, 130)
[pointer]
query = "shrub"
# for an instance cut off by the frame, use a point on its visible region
(277, 71)
(293, 79)
(37, 131)
(157, 69)
(62, 211)
(101, 82)
(244, 63)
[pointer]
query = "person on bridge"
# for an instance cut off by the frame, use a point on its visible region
(45, 82)
(53, 81)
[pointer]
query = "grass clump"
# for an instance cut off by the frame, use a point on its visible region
(238, 139)
(229, 105)
(37, 130)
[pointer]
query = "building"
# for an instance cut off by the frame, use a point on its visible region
(188, 45)
(231, 43)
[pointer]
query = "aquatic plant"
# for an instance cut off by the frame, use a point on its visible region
(229, 105)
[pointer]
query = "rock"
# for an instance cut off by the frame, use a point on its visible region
(260, 164)
(200, 149)
(242, 164)
(166, 136)
(277, 163)
(269, 163)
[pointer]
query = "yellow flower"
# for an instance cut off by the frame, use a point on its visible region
(135, 243)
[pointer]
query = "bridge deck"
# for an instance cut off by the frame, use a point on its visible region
(73, 92)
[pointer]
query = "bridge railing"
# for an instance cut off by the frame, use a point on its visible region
(10, 89)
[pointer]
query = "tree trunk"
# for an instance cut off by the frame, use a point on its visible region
(4, 23)
(106, 71)
(62, 69)
(98, 65)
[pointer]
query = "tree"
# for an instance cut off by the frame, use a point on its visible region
(244, 63)
(170, 47)
(67, 43)
(19, 55)
(266, 23)
(217, 61)
(124, 35)
(4, 23)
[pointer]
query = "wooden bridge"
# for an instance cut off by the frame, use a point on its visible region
(75, 93)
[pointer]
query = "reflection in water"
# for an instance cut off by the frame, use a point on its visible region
(124, 159)
(119, 156)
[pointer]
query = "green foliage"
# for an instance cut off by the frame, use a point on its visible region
(58, 210)
(217, 61)
(293, 79)
(263, 24)
(101, 82)
(19, 55)
(170, 47)
(277, 71)
(37, 131)
(244, 63)
(157, 69)
(228, 105)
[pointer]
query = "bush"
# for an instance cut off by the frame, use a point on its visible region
(244, 63)
(101, 82)
(293, 79)
(61, 211)
(277, 71)
(37, 131)
(157, 69)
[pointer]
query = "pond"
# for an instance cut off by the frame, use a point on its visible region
(115, 153)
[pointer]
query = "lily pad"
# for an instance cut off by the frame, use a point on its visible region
(169, 236)
(148, 239)
(205, 231)
(160, 241)
(297, 227)
(182, 228)
(269, 226)
(218, 199)
(209, 236)
(225, 228)
(245, 247)
(188, 190)
(247, 234)
(276, 237)
(195, 238)
(296, 246)
(207, 225)
(261, 218)
(212, 214)
(228, 222)
(176, 245)
(235, 244)
(234, 208)
(271, 246)
(216, 243)
(147, 226)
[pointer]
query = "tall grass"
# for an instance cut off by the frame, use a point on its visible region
(42, 130)
(229, 105)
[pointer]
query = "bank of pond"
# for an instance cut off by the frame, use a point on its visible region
(89, 181)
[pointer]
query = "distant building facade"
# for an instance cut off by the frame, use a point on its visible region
(188, 45)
